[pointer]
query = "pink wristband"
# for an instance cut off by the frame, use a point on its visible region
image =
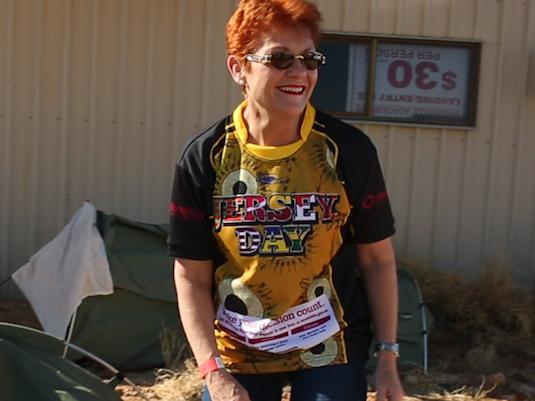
(210, 365)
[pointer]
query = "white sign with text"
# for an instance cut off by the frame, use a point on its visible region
(414, 81)
(301, 327)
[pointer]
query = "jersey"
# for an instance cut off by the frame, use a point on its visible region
(281, 225)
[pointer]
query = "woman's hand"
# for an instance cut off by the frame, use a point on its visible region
(387, 381)
(223, 387)
(194, 279)
(378, 270)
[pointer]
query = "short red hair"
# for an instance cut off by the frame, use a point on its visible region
(252, 18)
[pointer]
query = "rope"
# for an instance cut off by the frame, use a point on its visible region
(5, 281)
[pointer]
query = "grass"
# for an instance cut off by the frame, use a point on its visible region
(174, 346)
(483, 316)
(183, 384)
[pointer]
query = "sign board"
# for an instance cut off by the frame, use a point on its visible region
(421, 82)
(413, 80)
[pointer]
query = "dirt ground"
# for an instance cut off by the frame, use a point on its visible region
(483, 373)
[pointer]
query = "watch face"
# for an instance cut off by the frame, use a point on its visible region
(392, 347)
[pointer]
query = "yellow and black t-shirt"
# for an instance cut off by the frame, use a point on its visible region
(281, 225)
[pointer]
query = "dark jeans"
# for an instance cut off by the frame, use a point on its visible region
(328, 383)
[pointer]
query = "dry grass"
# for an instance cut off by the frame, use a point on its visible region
(174, 346)
(179, 380)
(482, 318)
(178, 385)
(448, 386)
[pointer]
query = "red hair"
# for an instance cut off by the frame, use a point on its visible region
(255, 17)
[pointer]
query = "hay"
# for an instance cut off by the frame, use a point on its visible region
(174, 347)
(486, 316)
(507, 307)
(178, 385)
(179, 380)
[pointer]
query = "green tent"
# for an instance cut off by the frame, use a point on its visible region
(124, 328)
(32, 368)
(414, 323)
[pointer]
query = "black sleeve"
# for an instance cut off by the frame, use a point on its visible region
(371, 218)
(190, 228)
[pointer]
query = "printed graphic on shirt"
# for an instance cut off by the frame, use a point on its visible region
(278, 224)
(287, 219)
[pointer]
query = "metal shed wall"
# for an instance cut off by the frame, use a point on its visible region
(98, 97)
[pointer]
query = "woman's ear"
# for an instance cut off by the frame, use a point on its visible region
(236, 70)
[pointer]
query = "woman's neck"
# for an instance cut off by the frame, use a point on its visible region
(269, 130)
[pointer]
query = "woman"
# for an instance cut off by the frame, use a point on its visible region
(274, 210)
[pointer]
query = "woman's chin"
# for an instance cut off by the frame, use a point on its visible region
(290, 109)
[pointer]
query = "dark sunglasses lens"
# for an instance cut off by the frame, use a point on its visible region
(311, 62)
(282, 61)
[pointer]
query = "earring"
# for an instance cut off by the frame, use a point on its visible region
(241, 82)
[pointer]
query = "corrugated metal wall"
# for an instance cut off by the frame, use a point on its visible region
(97, 98)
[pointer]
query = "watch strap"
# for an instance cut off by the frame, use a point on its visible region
(384, 346)
(210, 365)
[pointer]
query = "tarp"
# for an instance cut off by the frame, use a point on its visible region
(32, 368)
(124, 328)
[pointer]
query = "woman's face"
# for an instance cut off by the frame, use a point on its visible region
(281, 92)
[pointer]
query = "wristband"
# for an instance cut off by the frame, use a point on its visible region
(390, 347)
(210, 365)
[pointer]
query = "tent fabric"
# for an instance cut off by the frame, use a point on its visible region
(414, 322)
(137, 254)
(68, 269)
(144, 299)
(124, 329)
(31, 368)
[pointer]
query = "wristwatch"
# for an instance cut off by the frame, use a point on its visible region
(383, 346)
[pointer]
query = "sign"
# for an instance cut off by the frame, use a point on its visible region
(300, 327)
(421, 82)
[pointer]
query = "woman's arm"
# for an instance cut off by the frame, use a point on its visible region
(378, 268)
(193, 281)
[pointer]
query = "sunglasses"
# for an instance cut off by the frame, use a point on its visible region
(283, 61)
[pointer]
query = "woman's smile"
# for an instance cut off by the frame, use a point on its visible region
(292, 89)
